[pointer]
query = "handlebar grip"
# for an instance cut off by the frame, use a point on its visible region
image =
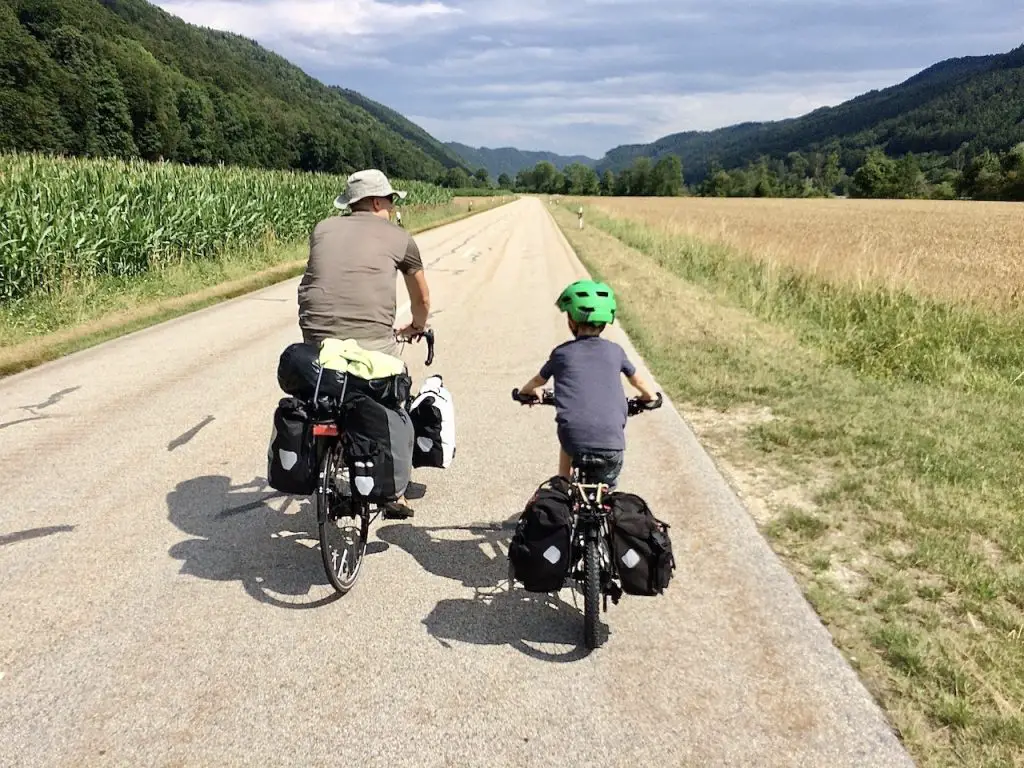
(429, 336)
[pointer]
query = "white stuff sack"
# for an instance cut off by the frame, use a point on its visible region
(433, 418)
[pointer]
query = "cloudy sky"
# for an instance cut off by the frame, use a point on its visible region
(583, 76)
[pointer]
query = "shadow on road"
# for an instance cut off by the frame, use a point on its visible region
(475, 556)
(33, 533)
(272, 550)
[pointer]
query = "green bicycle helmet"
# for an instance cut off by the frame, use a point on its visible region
(588, 301)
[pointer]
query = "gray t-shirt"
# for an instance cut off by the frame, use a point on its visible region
(348, 290)
(590, 403)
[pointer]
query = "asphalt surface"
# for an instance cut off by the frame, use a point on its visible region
(162, 606)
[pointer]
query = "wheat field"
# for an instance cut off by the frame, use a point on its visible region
(965, 252)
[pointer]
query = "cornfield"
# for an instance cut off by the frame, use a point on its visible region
(64, 220)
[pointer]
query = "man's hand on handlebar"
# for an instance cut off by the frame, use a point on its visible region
(412, 333)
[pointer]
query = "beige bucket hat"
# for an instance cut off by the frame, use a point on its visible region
(368, 183)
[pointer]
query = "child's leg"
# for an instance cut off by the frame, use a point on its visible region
(564, 463)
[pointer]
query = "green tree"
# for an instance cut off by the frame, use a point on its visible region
(197, 119)
(456, 178)
(110, 131)
(718, 184)
(666, 178)
(876, 177)
(607, 183)
(1013, 171)
(982, 178)
(581, 180)
(546, 178)
(908, 180)
(483, 177)
(640, 177)
(830, 174)
(504, 181)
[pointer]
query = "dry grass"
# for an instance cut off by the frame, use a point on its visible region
(950, 250)
(891, 490)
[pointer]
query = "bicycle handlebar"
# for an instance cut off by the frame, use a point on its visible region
(428, 334)
(633, 405)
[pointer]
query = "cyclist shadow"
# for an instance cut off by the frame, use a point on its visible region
(249, 532)
(475, 555)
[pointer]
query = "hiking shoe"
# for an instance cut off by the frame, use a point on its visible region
(396, 511)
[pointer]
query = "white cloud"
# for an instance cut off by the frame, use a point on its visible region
(328, 19)
(582, 76)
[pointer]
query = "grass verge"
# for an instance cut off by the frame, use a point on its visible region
(38, 329)
(893, 497)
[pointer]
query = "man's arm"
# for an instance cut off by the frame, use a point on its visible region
(419, 298)
(415, 278)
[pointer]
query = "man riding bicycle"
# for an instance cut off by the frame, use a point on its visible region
(348, 289)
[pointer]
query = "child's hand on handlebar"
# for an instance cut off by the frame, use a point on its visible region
(523, 396)
(640, 404)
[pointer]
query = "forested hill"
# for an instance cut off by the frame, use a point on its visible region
(510, 161)
(963, 105)
(405, 127)
(125, 78)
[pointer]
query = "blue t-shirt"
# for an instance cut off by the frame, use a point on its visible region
(590, 403)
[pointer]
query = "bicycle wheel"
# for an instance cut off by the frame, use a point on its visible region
(344, 526)
(591, 593)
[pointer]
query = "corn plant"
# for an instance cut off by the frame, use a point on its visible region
(64, 220)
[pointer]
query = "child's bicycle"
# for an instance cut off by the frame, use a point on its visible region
(591, 564)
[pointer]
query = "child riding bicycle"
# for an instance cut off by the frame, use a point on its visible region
(590, 402)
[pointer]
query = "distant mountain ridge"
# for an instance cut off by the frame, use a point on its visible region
(977, 101)
(511, 160)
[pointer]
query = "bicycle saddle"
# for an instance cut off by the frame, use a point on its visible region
(590, 462)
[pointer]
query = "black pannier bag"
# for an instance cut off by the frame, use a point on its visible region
(539, 550)
(291, 456)
(390, 391)
(299, 369)
(378, 443)
(641, 548)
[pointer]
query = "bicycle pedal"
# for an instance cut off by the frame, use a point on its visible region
(614, 591)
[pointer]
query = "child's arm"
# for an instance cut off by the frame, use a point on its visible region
(549, 369)
(532, 385)
(640, 385)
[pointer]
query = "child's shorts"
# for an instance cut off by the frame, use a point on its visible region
(614, 459)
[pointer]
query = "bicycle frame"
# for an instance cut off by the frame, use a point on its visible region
(590, 522)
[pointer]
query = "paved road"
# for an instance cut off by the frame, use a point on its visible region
(161, 606)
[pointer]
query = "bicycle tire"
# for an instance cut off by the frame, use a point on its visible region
(591, 594)
(341, 566)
